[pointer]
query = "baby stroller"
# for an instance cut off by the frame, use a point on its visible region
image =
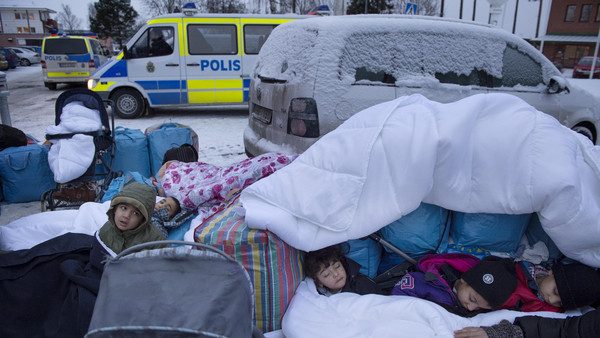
(87, 186)
(188, 290)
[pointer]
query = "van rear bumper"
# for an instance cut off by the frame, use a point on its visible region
(78, 79)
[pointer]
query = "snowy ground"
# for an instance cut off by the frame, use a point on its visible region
(220, 132)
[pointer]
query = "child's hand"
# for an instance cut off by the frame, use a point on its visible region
(470, 332)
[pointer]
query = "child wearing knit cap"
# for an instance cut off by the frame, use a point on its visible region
(464, 285)
(572, 286)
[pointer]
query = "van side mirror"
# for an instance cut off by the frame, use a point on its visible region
(557, 85)
(126, 53)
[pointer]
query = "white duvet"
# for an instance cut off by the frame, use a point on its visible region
(350, 315)
(31, 230)
(70, 158)
(489, 153)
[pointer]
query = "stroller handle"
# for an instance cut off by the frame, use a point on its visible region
(138, 247)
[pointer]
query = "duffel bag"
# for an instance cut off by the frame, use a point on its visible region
(25, 173)
(131, 151)
(164, 137)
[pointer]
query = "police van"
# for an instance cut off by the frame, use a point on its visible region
(71, 59)
(186, 59)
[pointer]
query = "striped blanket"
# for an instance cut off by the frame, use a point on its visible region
(275, 268)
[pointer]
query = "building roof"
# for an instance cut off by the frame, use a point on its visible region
(567, 38)
(20, 8)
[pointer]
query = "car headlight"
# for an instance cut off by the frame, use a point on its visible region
(91, 84)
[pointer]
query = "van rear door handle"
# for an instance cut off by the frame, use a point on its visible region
(193, 64)
(172, 64)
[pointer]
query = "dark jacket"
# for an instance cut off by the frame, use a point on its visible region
(585, 326)
(357, 282)
(50, 289)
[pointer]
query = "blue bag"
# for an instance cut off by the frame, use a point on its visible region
(367, 253)
(424, 230)
(535, 232)
(163, 138)
(131, 151)
(493, 232)
(25, 173)
(118, 183)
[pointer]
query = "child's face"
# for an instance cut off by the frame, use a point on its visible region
(168, 203)
(332, 277)
(127, 217)
(549, 290)
(469, 298)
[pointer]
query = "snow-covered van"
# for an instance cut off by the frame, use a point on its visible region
(71, 59)
(314, 74)
(186, 59)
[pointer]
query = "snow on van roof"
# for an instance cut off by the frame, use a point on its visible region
(304, 46)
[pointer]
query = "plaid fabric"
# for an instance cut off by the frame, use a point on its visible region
(275, 268)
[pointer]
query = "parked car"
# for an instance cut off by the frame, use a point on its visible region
(313, 74)
(26, 57)
(3, 63)
(584, 66)
(11, 57)
(35, 49)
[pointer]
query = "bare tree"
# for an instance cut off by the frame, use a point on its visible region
(68, 20)
(424, 7)
(160, 7)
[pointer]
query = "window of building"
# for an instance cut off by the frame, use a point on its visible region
(32, 30)
(586, 13)
(19, 29)
(570, 15)
(17, 15)
(31, 16)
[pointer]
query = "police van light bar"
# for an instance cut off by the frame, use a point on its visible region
(189, 9)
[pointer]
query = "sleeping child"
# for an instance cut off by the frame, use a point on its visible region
(465, 286)
(333, 273)
(197, 184)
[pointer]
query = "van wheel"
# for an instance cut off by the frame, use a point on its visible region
(129, 103)
(49, 85)
(25, 62)
(586, 131)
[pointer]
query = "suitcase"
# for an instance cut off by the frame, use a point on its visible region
(25, 173)
(131, 151)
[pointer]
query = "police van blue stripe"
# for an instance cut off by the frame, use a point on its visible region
(119, 69)
(164, 98)
(246, 95)
(183, 85)
(79, 58)
(246, 83)
(169, 84)
(148, 85)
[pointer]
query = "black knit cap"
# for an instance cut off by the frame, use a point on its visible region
(494, 279)
(183, 153)
(578, 285)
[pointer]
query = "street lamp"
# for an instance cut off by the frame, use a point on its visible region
(495, 11)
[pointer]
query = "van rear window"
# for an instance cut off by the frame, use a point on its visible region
(65, 46)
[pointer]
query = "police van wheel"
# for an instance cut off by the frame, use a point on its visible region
(586, 130)
(50, 85)
(129, 104)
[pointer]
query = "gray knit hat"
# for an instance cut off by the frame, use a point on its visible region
(141, 196)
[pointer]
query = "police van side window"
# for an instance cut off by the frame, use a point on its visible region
(96, 47)
(156, 41)
(255, 36)
(212, 39)
(520, 69)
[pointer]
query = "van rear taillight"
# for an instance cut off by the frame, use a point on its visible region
(91, 64)
(43, 64)
(303, 119)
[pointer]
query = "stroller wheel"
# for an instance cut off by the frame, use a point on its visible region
(47, 202)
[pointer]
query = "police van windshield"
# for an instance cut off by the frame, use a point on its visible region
(65, 46)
